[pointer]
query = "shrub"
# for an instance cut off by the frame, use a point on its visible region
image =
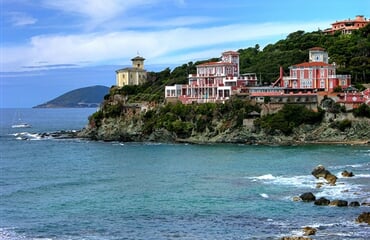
(289, 117)
(362, 111)
(341, 125)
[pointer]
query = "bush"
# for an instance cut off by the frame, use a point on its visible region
(362, 111)
(341, 125)
(289, 117)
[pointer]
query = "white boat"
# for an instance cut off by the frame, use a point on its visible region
(21, 125)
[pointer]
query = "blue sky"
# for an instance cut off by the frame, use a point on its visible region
(49, 47)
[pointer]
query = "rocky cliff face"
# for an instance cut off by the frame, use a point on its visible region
(128, 129)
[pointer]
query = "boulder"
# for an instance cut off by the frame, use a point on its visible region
(322, 201)
(309, 231)
(345, 173)
(295, 238)
(308, 197)
(332, 179)
(296, 199)
(364, 218)
(354, 204)
(339, 203)
(320, 171)
(366, 204)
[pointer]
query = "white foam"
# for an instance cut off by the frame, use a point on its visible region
(264, 177)
(306, 181)
(264, 195)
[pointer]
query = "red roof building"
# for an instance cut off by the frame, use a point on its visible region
(315, 75)
(213, 82)
(347, 26)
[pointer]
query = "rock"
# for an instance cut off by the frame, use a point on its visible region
(354, 204)
(322, 201)
(366, 204)
(345, 173)
(339, 203)
(309, 231)
(320, 171)
(332, 179)
(295, 238)
(296, 199)
(308, 197)
(364, 218)
(319, 184)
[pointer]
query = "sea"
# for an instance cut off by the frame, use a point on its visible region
(54, 189)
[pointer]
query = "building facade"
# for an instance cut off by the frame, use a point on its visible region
(315, 75)
(213, 82)
(134, 75)
(347, 26)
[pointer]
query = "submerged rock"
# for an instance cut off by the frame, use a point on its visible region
(339, 203)
(354, 204)
(322, 202)
(309, 231)
(308, 197)
(295, 238)
(364, 218)
(345, 173)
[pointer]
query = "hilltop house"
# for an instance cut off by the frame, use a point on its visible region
(347, 26)
(213, 82)
(134, 75)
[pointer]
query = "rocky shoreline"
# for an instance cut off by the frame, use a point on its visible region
(116, 129)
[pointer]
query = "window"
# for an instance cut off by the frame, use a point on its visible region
(301, 73)
(322, 83)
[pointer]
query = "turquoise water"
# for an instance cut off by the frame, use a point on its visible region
(75, 189)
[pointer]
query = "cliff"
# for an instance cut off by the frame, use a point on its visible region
(232, 122)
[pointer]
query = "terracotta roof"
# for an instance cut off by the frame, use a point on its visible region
(317, 49)
(231, 52)
(313, 64)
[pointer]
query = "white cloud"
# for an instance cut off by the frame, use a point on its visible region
(96, 11)
(178, 44)
(21, 19)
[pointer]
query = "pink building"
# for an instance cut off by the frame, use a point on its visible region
(213, 82)
(315, 75)
(347, 26)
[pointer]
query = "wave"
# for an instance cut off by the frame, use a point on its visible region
(304, 181)
(344, 188)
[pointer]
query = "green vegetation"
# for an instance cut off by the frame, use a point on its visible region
(185, 119)
(351, 53)
(362, 111)
(288, 118)
(341, 125)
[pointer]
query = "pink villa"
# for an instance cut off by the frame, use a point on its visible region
(347, 26)
(315, 75)
(213, 82)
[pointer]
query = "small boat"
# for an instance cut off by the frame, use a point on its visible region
(21, 125)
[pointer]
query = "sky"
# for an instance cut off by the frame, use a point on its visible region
(50, 47)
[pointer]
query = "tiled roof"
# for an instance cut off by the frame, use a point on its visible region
(313, 64)
(317, 49)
